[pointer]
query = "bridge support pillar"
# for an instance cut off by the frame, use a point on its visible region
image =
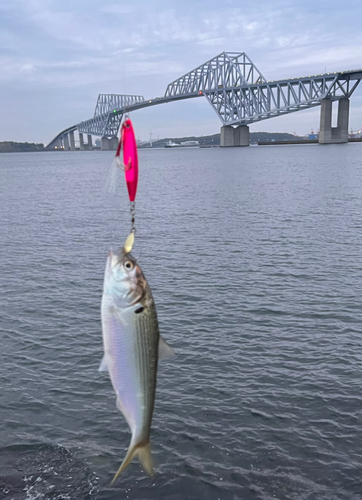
(66, 142)
(343, 119)
(104, 144)
(113, 141)
(72, 141)
(227, 136)
(109, 144)
(329, 134)
(81, 141)
(231, 137)
(242, 135)
(89, 139)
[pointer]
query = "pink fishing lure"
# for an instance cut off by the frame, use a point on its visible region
(130, 157)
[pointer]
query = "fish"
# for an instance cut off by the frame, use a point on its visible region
(132, 348)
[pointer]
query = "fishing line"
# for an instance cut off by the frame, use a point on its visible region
(129, 161)
(124, 76)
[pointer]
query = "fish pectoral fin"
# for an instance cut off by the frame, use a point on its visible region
(103, 367)
(144, 455)
(164, 350)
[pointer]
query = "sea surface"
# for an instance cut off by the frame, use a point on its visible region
(254, 257)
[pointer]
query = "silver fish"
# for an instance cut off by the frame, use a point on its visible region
(132, 347)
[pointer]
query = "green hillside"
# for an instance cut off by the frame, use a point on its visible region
(210, 140)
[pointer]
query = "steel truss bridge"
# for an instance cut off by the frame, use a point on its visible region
(234, 87)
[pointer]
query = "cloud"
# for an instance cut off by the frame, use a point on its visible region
(75, 50)
(117, 9)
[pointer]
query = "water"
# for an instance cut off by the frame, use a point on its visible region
(254, 260)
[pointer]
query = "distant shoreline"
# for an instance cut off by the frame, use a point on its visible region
(257, 138)
(301, 141)
(20, 147)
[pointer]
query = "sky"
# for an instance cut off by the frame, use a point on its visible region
(57, 56)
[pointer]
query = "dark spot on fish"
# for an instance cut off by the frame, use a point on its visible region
(139, 310)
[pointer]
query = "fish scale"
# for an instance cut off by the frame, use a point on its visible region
(147, 354)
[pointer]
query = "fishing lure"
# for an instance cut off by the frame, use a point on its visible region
(128, 144)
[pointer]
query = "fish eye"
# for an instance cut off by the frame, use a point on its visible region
(128, 265)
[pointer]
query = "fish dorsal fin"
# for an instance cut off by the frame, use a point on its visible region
(164, 350)
(103, 367)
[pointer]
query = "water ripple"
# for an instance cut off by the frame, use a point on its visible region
(253, 257)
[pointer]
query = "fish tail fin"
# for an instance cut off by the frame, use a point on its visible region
(144, 454)
(145, 457)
